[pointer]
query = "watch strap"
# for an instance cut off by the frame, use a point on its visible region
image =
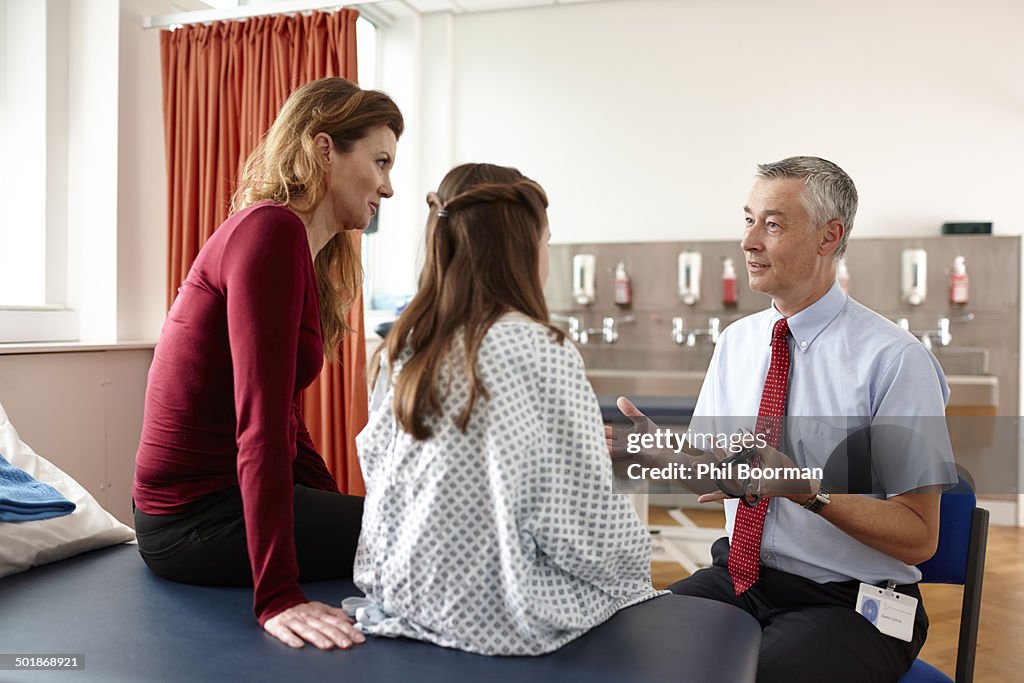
(818, 501)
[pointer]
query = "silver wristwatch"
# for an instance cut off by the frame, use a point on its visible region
(818, 501)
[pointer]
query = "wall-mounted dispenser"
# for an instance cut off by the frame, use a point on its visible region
(689, 277)
(584, 272)
(730, 293)
(915, 276)
(622, 286)
(958, 282)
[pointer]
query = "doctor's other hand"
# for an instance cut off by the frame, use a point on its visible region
(773, 475)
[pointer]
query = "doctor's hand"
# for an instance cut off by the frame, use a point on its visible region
(324, 626)
(683, 455)
(617, 439)
(773, 475)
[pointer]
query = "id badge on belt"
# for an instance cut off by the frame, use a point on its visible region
(892, 613)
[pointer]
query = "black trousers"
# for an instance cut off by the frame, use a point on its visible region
(206, 545)
(810, 631)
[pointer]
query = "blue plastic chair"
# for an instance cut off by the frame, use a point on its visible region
(959, 559)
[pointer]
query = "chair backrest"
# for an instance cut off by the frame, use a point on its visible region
(960, 559)
(956, 518)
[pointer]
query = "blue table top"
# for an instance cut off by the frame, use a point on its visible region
(133, 626)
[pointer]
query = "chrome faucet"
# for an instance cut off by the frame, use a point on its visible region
(608, 332)
(678, 333)
(681, 335)
(576, 331)
(609, 329)
(945, 338)
(714, 329)
(941, 334)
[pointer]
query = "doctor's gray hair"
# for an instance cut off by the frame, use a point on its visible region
(829, 195)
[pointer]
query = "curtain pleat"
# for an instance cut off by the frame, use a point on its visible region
(223, 84)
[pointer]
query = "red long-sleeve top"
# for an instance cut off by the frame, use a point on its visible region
(240, 342)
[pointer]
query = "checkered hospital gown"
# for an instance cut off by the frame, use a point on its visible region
(505, 540)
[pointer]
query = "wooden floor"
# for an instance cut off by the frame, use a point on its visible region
(1000, 653)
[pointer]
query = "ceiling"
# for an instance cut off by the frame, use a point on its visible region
(467, 6)
(418, 6)
(380, 12)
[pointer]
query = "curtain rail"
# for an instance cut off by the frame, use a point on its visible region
(376, 15)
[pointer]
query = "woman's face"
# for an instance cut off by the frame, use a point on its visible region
(544, 262)
(359, 179)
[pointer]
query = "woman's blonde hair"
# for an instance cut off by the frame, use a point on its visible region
(286, 168)
(483, 244)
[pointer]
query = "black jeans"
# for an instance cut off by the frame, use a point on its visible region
(206, 545)
(810, 631)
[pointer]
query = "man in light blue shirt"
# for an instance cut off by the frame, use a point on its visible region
(847, 365)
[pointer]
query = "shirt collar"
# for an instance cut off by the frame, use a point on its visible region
(806, 325)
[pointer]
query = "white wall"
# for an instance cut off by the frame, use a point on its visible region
(142, 176)
(92, 130)
(644, 119)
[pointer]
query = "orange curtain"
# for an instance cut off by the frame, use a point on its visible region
(223, 85)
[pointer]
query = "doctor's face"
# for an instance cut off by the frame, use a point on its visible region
(782, 245)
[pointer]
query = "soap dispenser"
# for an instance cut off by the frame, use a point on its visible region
(623, 289)
(915, 276)
(689, 277)
(584, 269)
(958, 282)
(729, 291)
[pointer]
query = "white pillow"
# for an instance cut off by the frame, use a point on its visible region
(26, 544)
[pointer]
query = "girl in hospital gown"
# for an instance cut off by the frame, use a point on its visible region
(505, 537)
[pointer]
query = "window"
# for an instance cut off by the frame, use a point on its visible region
(33, 76)
(23, 153)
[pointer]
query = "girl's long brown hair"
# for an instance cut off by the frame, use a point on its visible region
(483, 242)
(286, 168)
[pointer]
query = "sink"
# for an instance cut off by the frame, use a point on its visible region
(646, 382)
(973, 390)
(962, 360)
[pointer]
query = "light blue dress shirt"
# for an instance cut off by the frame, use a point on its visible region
(848, 364)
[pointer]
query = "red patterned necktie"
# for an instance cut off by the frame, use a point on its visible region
(745, 550)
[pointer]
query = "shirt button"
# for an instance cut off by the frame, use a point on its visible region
(803, 345)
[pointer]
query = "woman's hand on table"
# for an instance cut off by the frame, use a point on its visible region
(313, 622)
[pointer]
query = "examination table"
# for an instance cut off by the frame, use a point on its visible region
(133, 626)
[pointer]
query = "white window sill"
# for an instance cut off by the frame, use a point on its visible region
(21, 324)
(71, 347)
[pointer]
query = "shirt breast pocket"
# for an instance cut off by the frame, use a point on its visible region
(841, 447)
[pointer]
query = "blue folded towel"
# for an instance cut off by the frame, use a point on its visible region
(23, 499)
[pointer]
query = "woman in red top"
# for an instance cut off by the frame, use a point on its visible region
(229, 489)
